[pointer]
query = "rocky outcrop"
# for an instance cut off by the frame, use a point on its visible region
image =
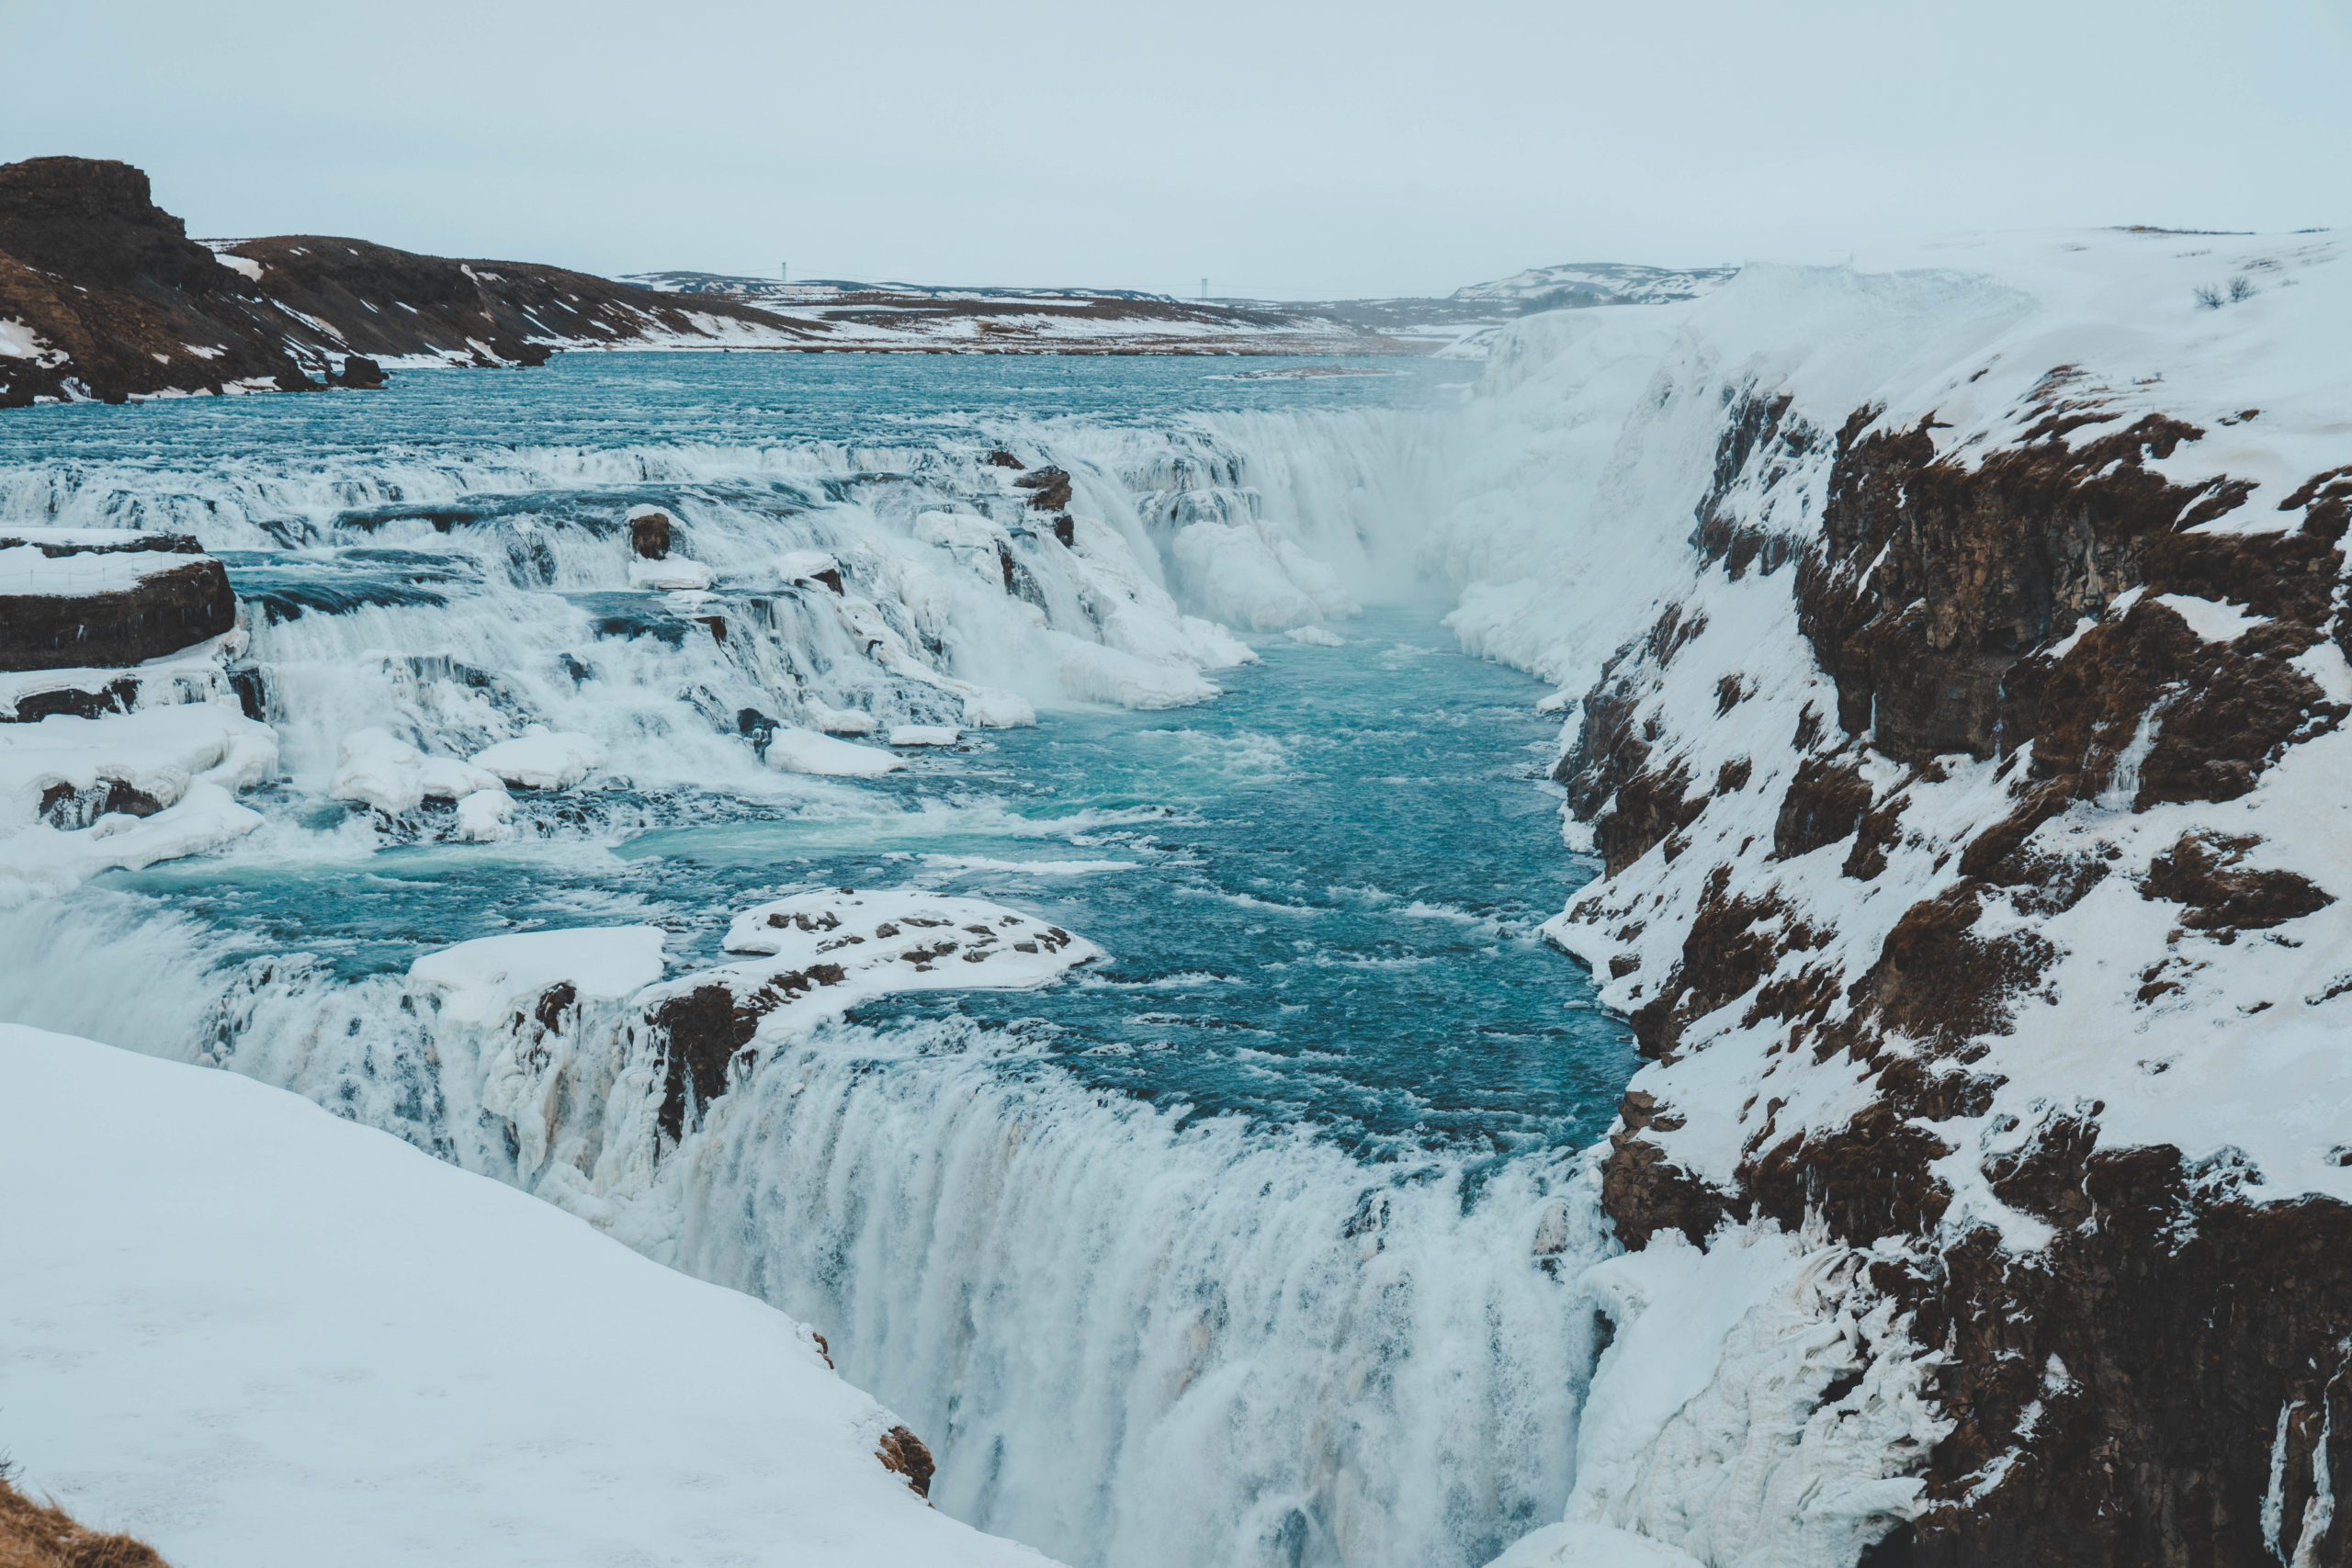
(103, 295)
(649, 534)
(903, 1453)
(2011, 851)
(74, 601)
(1051, 486)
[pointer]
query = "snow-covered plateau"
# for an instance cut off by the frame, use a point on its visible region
(866, 838)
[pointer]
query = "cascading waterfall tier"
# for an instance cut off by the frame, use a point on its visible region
(1133, 1327)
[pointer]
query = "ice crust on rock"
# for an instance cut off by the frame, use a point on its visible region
(158, 752)
(380, 769)
(203, 1264)
(474, 980)
(1708, 1425)
(887, 940)
(673, 572)
(924, 735)
(156, 784)
(540, 758)
(486, 816)
(807, 751)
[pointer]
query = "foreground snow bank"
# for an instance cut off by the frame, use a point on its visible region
(257, 1335)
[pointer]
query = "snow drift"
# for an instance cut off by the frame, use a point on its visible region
(255, 1334)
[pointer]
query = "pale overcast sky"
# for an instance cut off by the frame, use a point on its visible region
(1282, 150)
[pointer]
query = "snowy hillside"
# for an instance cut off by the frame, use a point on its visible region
(1959, 670)
(885, 316)
(254, 1334)
(1573, 285)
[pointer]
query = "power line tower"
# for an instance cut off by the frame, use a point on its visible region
(1205, 292)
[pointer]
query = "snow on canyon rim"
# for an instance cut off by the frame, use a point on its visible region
(1264, 1236)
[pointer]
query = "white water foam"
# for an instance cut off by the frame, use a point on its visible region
(1131, 1336)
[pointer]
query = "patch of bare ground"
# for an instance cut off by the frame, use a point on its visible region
(42, 1535)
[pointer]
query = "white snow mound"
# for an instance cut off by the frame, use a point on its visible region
(1591, 1546)
(540, 758)
(675, 573)
(881, 943)
(798, 750)
(474, 980)
(256, 1334)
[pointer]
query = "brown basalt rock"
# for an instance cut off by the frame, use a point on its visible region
(649, 535)
(702, 1033)
(1733, 944)
(2154, 1386)
(1642, 1191)
(1824, 803)
(1937, 982)
(903, 1453)
(2203, 871)
(167, 611)
(1933, 579)
(706, 1034)
(1051, 485)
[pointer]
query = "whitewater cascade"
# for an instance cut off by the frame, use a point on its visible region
(1132, 1334)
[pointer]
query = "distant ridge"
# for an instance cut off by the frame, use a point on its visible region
(103, 296)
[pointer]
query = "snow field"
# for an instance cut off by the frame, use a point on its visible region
(255, 1334)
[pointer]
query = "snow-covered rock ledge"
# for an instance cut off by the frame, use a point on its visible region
(124, 739)
(1968, 773)
(83, 596)
(255, 1334)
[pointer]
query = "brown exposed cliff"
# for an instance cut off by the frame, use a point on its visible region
(103, 295)
(2167, 1379)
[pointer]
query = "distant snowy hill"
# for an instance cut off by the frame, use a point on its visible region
(1465, 323)
(739, 285)
(846, 314)
(1575, 284)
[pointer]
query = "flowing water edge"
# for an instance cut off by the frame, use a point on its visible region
(1258, 1241)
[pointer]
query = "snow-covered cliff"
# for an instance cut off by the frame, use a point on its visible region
(1958, 665)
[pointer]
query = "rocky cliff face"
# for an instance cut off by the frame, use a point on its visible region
(103, 295)
(78, 600)
(1975, 857)
(2025, 614)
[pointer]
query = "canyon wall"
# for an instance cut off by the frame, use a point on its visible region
(1959, 674)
